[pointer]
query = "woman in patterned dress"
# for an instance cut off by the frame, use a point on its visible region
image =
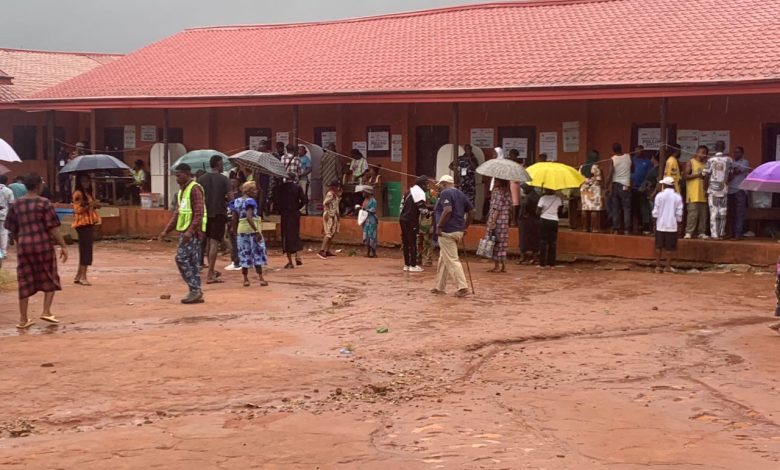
(592, 204)
(85, 218)
(34, 225)
(249, 237)
(498, 223)
(371, 223)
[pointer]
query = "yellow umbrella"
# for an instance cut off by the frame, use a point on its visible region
(555, 176)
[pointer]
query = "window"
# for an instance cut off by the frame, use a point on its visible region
(25, 140)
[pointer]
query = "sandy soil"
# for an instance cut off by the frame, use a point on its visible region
(575, 367)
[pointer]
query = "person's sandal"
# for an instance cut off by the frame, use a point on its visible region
(462, 293)
(437, 291)
(298, 262)
(50, 319)
(263, 283)
(246, 283)
(25, 325)
(289, 266)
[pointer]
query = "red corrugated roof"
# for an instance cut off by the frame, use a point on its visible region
(33, 71)
(478, 48)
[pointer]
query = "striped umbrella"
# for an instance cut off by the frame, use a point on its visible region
(94, 163)
(260, 161)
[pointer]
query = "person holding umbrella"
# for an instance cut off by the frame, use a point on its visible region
(85, 218)
(498, 223)
(34, 226)
(189, 220)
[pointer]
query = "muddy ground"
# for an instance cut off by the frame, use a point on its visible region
(577, 367)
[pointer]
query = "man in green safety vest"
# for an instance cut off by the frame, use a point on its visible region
(189, 220)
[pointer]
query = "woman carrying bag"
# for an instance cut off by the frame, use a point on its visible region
(498, 223)
(85, 217)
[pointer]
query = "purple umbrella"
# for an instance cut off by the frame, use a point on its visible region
(764, 178)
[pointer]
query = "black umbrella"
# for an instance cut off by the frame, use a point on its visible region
(260, 161)
(94, 163)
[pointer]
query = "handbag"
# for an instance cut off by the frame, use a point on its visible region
(486, 245)
(362, 216)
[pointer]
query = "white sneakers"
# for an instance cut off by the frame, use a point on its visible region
(703, 237)
(232, 267)
(687, 236)
(413, 269)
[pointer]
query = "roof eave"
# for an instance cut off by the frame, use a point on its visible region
(443, 95)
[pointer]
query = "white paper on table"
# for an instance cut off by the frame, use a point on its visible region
(548, 144)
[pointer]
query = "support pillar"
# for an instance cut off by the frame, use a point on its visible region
(455, 128)
(53, 169)
(166, 161)
(664, 137)
(92, 130)
(294, 136)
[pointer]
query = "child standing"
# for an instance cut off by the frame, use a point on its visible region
(247, 226)
(371, 223)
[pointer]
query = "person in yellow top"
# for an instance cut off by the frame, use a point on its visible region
(672, 168)
(85, 218)
(695, 195)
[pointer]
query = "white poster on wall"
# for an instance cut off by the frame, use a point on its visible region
(379, 141)
(397, 149)
(649, 138)
(571, 136)
(483, 138)
(328, 137)
(361, 146)
(709, 138)
(129, 137)
(283, 137)
(548, 143)
(688, 139)
(148, 133)
(518, 143)
(255, 141)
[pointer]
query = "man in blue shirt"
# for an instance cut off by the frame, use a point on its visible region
(639, 202)
(738, 198)
(453, 216)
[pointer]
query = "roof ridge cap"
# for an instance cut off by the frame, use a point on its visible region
(404, 14)
(41, 51)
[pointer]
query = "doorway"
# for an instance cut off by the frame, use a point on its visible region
(114, 141)
(429, 139)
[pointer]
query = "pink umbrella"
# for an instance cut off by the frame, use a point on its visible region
(764, 178)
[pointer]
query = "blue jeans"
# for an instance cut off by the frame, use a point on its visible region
(188, 261)
(738, 203)
(621, 199)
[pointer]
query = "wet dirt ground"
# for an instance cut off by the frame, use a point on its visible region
(577, 367)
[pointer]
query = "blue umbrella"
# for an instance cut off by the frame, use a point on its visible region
(200, 160)
(94, 163)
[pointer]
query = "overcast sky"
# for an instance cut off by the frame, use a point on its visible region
(126, 25)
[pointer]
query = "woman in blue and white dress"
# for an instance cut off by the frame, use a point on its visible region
(248, 227)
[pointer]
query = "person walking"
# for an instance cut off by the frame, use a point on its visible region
(498, 223)
(331, 218)
(289, 200)
(216, 187)
(465, 169)
(454, 212)
(668, 211)
(738, 198)
(85, 218)
(547, 210)
(718, 169)
(247, 225)
(412, 205)
(371, 223)
(618, 189)
(6, 199)
(34, 225)
(189, 220)
(695, 196)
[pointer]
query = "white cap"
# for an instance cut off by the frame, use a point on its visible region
(668, 181)
(447, 179)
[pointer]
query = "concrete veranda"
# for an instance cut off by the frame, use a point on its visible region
(573, 367)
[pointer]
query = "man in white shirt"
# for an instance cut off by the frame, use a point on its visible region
(619, 188)
(668, 211)
(718, 169)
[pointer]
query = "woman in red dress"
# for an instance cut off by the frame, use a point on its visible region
(34, 226)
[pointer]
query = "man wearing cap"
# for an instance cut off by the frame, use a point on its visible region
(412, 205)
(667, 211)
(189, 220)
(453, 215)
(330, 218)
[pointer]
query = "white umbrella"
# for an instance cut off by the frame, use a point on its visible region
(7, 153)
(504, 169)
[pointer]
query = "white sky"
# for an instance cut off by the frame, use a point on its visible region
(125, 25)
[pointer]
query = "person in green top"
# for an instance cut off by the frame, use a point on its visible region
(425, 237)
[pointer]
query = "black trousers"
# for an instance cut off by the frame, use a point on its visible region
(548, 241)
(86, 242)
(409, 231)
